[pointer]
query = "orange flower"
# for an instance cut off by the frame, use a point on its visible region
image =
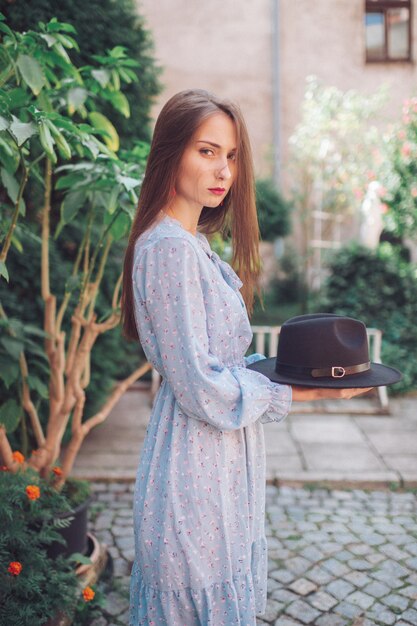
(18, 456)
(14, 568)
(57, 471)
(33, 492)
(88, 594)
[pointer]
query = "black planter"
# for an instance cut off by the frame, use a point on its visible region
(75, 534)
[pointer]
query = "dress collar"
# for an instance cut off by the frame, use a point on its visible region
(228, 272)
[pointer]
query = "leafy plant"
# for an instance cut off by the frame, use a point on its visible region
(380, 289)
(400, 195)
(31, 585)
(273, 211)
(336, 151)
(49, 114)
(113, 23)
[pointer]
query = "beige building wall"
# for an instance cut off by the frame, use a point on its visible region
(224, 47)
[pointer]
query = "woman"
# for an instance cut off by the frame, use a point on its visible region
(201, 553)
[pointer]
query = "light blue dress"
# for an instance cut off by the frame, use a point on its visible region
(199, 503)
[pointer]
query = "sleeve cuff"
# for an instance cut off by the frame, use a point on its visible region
(280, 403)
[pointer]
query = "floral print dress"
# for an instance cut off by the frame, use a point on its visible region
(199, 502)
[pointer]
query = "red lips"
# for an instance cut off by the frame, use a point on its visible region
(218, 191)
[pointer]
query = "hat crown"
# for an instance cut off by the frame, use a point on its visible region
(322, 340)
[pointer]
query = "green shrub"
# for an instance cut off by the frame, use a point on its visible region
(273, 211)
(101, 25)
(289, 286)
(33, 594)
(381, 290)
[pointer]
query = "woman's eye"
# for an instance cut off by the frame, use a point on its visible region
(206, 151)
(232, 156)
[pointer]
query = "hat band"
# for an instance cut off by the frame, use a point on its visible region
(336, 371)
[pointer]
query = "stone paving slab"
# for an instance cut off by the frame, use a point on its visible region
(374, 450)
(336, 557)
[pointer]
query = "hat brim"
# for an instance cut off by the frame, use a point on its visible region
(379, 375)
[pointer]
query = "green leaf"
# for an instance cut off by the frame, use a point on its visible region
(118, 52)
(36, 383)
(5, 29)
(30, 329)
(10, 413)
(31, 72)
(3, 270)
(115, 79)
(125, 75)
(50, 39)
(33, 348)
(128, 182)
(76, 97)
(18, 98)
(60, 141)
(12, 188)
(120, 103)
(60, 50)
(9, 154)
(91, 146)
(101, 122)
(17, 243)
(72, 203)
(22, 130)
(68, 42)
(70, 180)
(47, 141)
(101, 76)
(113, 198)
(12, 346)
(54, 26)
(120, 226)
(9, 371)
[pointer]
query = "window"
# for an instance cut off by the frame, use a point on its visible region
(388, 30)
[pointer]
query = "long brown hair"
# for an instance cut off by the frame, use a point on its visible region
(176, 124)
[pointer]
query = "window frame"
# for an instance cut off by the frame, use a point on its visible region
(382, 6)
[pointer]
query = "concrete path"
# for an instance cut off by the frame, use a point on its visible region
(336, 557)
(349, 447)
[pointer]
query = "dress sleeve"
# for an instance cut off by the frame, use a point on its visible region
(228, 398)
(280, 394)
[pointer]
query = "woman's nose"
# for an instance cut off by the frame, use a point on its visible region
(224, 172)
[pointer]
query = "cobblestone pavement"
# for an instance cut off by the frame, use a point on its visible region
(336, 557)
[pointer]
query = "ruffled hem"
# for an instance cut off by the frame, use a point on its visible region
(222, 604)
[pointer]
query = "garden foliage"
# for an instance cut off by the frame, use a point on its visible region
(102, 25)
(380, 289)
(401, 174)
(55, 139)
(32, 586)
(273, 211)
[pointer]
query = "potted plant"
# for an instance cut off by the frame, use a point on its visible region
(32, 585)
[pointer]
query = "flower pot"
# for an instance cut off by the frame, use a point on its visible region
(87, 575)
(74, 533)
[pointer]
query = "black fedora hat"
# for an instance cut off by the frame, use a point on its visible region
(325, 350)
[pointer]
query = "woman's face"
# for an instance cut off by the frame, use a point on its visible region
(208, 166)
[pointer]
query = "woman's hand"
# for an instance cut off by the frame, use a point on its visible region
(306, 394)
